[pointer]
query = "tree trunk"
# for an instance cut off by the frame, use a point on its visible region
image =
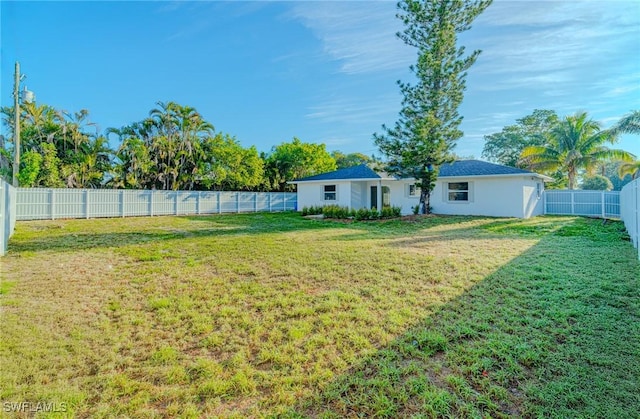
(425, 201)
(572, 177)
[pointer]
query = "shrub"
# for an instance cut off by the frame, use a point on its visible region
(329, 211)
(416, 209)
(338, 212)
(335, 211)
(362, 214)
(313, 210)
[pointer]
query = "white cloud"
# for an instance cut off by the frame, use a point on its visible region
(358, 35)
(552, 44)
(353, 110)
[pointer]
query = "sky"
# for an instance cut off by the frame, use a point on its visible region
(323, 71)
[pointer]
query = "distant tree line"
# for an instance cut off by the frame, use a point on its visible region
(174, 148)
(573, 150)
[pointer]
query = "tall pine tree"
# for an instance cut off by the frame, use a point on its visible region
(424, 135)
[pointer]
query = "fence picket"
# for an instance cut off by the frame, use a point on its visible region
(53, 204)
(86, 203)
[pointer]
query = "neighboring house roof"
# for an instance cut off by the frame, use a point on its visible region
(460, 168)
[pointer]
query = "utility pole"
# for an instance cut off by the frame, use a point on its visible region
(16, 129)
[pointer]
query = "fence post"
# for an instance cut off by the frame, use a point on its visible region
(175, 204)
(122, 203)
(151, 203)
(238, 202)
(573, 210)
(86, 203)
(198, 202)
(255, 202)
(53, 204)
(603, 209)
(219, 204)
(269, 199)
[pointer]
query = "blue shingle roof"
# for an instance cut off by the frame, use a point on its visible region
(356, 172)
(477, 168)
(458, 168)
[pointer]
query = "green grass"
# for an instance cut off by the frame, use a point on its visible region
(275, 315)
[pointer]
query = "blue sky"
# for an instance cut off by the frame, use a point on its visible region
(323, 71)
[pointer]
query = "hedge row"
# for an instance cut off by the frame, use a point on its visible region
(335, 211)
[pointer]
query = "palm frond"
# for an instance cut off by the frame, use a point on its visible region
(629, 124)
(632, 168)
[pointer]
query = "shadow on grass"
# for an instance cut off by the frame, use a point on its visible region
(553, 333)
(57, 238)
(389, 229)
(141, 232)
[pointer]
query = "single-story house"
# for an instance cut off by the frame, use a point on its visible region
(465, 187)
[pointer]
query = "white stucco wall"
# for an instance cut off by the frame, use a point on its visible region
(312, 194)
(532, 195)
(498, 196)
(400, 196)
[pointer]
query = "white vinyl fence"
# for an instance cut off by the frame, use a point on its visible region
(588, 203)
(630, 211)
(50, 204)
(7, 214)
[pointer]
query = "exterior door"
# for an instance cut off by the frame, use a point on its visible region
(386, 197)
(374, 197)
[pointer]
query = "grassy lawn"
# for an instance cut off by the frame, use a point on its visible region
(276, 315)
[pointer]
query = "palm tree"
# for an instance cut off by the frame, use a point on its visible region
(95, 162)
(575, 143)
(76, 124)
(177, 143)
(630, 124)
(163, 151)
(42, 123)
(132, 167)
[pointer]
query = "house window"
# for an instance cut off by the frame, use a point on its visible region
(414, 191)
(458, 191)
(330, 193)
